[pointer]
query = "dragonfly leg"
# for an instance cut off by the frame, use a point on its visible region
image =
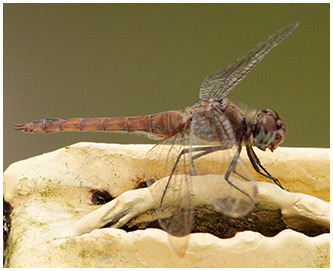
(232, 168)
(204, 151)
(240, 175)
(173, 170)
(257, 165)
(193, 167)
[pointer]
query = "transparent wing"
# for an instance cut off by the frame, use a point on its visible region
(219, 84)
(200, 161)
(168, 177)
(228, 184)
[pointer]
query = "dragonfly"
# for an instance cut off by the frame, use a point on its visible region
(214, 127)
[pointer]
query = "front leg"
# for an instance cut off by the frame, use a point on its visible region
(257, 165)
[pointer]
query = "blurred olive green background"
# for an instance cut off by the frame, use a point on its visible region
(103, 60)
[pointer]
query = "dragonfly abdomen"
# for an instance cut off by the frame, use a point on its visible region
(155, 126)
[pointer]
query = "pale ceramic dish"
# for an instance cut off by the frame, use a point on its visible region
(56, 220)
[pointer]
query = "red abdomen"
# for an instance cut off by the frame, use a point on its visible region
(155, 126)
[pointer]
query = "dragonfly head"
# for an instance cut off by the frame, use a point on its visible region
(269, 130)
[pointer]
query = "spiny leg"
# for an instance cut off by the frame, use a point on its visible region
(256, 162)
(232, 168)
(240, 175)
(184, 151)
(204, 151)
